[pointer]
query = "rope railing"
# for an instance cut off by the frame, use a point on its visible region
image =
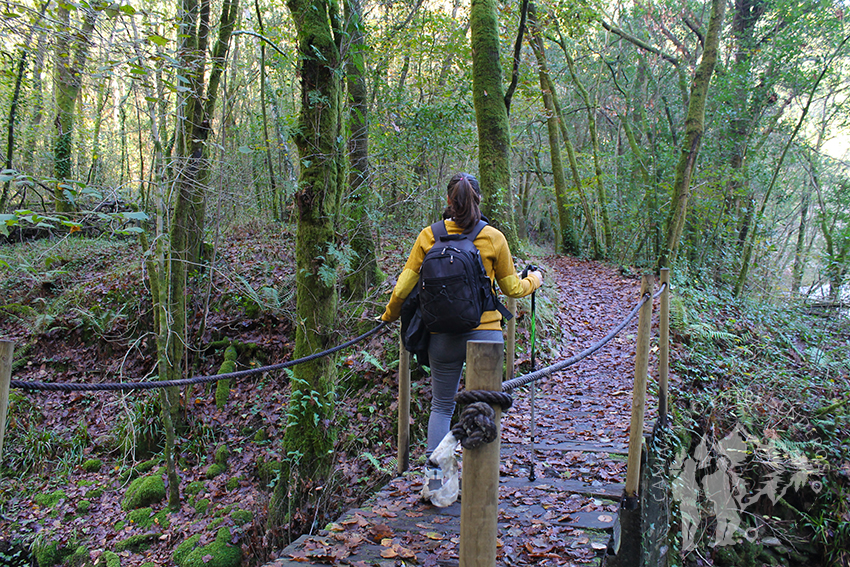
(78, 387)
(511, 385)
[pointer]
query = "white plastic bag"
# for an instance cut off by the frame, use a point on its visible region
(444, 455)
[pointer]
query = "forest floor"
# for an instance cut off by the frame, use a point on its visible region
(79, 312)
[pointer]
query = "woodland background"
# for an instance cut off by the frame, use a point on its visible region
(143, 141)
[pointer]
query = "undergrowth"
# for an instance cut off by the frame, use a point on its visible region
(763, 409)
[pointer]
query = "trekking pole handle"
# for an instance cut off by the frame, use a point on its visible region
(529, 268)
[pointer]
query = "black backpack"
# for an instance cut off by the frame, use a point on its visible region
(454, 289)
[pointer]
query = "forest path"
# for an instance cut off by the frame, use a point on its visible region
(565, 515)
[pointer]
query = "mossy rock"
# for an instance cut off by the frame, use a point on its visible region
(214, 470)
(162, 519)
(83, 506)
(143, 517)
(241, 517)
(223, 511)
(144, 491)
(260, 436)
(92, 465)
(219, 553)
(201, 506)
(233, 483)
(136, 543)
(222, 387)
(108, 559)
(50, 500)
(195, 488)
(216, 523)
(147, 466)
(222, 454)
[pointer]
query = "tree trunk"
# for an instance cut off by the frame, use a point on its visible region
(365, 268)
(491, 117)
(67, 81)
(267, 142)
(310, 433)
(694, 128)
(568, 243)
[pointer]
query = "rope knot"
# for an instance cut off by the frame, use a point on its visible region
(477, 424)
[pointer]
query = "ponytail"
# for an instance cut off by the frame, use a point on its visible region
(464, 199)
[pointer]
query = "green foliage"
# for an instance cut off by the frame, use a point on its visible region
(143, 491)
(140, 429)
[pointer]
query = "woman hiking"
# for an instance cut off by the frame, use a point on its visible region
(447, 351)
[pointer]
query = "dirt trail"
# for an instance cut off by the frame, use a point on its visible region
(564, 516)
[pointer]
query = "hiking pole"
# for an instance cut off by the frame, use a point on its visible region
(532, 268)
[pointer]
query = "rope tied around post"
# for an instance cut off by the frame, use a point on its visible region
(477, 424)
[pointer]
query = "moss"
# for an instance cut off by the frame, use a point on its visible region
(143, 491)
(96, 493)
(136, 543)
(108, 559)
(83, 506)
(241, 517)
(217, 554)
(182, 551)
(161, 519)
(223, 511)
(148, 564)
(267, 471)
(80, 557)
(222, 453)
(260, 436)
(222, 387)
(201, 506)
(47, 553)
(195, 488)
(233, 483)
(214, 470)
(85, 483)
(92, 465)
(143, 517)
(216, 523)
(50, 500)
(147, 466)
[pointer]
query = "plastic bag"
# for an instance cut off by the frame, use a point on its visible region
(444, 455)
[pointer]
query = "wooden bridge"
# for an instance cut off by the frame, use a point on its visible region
(587, 463)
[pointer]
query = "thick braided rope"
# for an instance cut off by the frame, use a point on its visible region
(477, 424)
(71, 387)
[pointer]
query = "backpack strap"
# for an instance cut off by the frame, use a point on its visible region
(439, 230)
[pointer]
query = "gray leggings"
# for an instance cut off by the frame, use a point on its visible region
(448, 353)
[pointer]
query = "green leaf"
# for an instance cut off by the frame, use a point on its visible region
(131, 230)
(7, 175)
(245, 150)
(127, 9)
(137, 215)
(158, 39)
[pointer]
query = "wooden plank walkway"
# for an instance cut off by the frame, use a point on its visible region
(564, 517)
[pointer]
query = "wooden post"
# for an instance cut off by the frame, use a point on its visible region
(7, 348)
(510, 342)
(403, 407)
(664, 346)
(480, 503)
(639, 392)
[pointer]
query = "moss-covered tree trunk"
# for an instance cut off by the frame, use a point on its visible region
(67, 82)
(310, 434)
(365, 273)
(491, 117)
(568, 242)
(694, 128)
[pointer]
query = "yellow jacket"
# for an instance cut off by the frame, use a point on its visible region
(497, 260)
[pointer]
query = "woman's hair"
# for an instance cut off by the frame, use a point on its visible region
(464, 198)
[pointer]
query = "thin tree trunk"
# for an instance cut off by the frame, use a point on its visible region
(694, 128)
(67, 85)
(276, 212)
(568, 242)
